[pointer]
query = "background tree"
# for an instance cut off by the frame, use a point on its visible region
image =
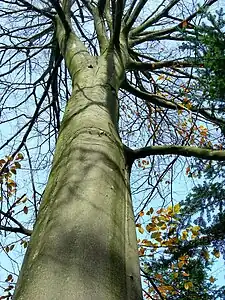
(109, 83)
(204, 205)
(176, 259)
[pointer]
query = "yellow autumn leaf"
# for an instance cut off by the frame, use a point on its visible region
(201, 127)
(156, 235)
(19, 156)
(169, 210)
(164, 244)
(158, 240)
(188, 285)
(188, 105)
(163, 218)
(184, 235)
(169, 288)
(147, 243)
(163, 226)
(205, 254)
(161, 77)
(155, 220)
(151, 227)
(141, 230)
(195, 230)
(176, 208)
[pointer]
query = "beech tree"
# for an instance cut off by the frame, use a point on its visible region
(105, 85)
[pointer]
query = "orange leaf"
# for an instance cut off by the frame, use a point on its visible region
(159, 211)
(141, 213)
(9, 278)
(184, 24)
(216, 253)
(158, 276)
(141, 251)
(147, 243)
(183, 257)
(212, 279)
(180, 264)
(188, 170)
(2, 161)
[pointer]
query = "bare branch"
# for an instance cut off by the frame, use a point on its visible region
(152, 98)
(135, 14)
(143, 66)
(20, 227)
(16, 230)
(186, 151)
(148, 22)
(31, 7)
(62, 15)
(136, 39)
(119, 9)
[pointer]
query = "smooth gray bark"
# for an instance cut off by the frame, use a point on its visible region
(84, 241)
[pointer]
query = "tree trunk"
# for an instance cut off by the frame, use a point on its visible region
(84, 242)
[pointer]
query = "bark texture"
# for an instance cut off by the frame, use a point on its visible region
(84, 242)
